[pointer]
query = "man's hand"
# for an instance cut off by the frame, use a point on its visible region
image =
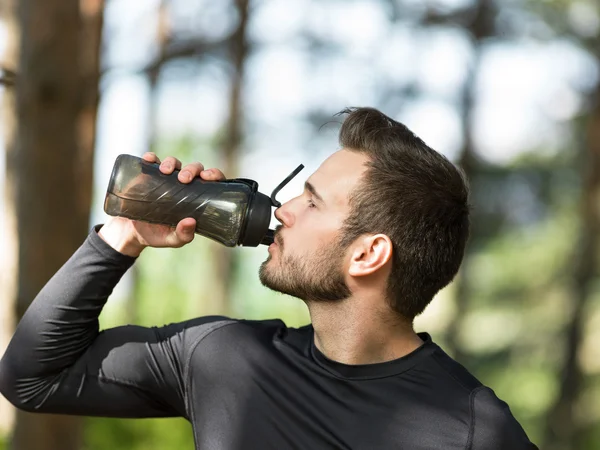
(130, 237)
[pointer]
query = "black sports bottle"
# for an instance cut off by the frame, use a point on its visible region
(231, 212)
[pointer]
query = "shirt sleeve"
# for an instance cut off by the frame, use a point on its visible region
(493, 427)
(59, 362)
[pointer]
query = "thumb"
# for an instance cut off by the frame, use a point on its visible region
(184, 232)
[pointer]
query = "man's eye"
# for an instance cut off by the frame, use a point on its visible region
(311, 204)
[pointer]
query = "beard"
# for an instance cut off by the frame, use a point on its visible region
(318, 278)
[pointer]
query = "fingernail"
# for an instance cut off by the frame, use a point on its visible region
(186, 176)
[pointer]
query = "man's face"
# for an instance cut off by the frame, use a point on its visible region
(306, 260)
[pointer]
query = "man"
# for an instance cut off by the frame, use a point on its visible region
(380, 228)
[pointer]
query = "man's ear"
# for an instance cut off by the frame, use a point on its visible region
(370, 254)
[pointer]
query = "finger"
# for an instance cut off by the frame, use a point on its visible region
(184, 232)
(151, 157)
(190, 171)
(212, 175)
(169, 165)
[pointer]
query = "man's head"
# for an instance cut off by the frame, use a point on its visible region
(385, 209)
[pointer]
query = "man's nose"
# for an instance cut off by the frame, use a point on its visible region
(284, 215)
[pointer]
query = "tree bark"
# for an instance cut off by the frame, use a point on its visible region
(51, 164)
(224, 258)
(9, 238)
(92, 21)
(163, 37)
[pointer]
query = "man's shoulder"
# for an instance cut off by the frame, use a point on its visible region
(493, 424)
(267, 333)
(208, 325)
(224, 330)
(230, 347)
(454, 371)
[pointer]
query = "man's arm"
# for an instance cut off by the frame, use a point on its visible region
(59, 362)
(493, 427)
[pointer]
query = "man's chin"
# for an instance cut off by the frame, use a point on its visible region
(263, 273)
(268, 279)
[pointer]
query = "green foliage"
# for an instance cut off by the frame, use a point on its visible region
(128, 434)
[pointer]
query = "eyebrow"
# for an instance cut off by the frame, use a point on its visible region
(310, 188)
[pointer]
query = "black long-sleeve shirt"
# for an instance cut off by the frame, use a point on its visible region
(241, 384)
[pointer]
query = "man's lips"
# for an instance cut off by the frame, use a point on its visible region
(276, 244)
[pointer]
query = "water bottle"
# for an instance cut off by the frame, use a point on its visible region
(231, 212)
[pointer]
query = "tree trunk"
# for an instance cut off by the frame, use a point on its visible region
(8, 228)
(163, 35)
(224, 258)
(561, 430)
(92, 20)
(480, 27)
(50, 165)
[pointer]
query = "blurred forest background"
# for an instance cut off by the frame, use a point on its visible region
(507, 89)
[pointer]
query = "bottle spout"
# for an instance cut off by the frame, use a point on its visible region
(274, 201)
(268, 238)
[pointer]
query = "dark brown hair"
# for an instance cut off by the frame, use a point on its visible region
(416, 197)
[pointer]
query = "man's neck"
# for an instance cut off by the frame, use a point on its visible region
(349, 334)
